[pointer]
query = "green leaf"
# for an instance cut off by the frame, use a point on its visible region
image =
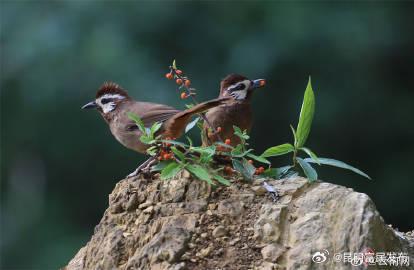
(306, 116)
(294, 135)
(258, 158)
(146, 139)
(246, 169)
(199, 172)
(222, 180)
(174, 142)
(278, 150)
(339, 164)
(170, 170)
(160, 165)
(174, 64)
(277, 173)
(178, 153)
(152, 150)
(190, 142)
(241, 134)
(137, 121)
(154, 128)
(191, 124)
(237, 151)
(311, 154)
(307, 169)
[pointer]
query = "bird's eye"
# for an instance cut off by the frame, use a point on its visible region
(105, 100)
(240, 86)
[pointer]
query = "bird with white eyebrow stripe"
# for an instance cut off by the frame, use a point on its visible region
(237, 111)
(114, 103)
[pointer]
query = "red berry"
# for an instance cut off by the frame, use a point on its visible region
(183, 95)
(187, 83)
(219, 129)
(250, 161)
(169, 76)
(166, 156)
(179, 81)
(227, 141)
(179, 72)
(228, 170)
(261, 169)
(262, 83)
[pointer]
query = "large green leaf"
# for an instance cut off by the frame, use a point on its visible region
(339, 164)
(307, 169)
(170, 170)
(278, 150)
(221, 180)
(199, 172)
(306, 116)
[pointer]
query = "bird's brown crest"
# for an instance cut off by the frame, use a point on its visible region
(231, 79)
(111, 88)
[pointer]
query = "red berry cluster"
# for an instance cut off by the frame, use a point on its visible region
(165, 153)
(182, 81)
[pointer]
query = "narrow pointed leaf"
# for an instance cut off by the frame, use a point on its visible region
(155, 127)
(221, 180)
(178, 153)
(311, 154)
(278, 150)
(137, 120)
(258, 158)
(306, 116)
(339, 164)
(307, 169)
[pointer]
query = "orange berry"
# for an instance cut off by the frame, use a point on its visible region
(179, 81)
(227, 141)
(166, 156)
(261, 169)
(169, 76)
(219, 129)
(250, 161)
(183, 95)
(179, 72)
(187, 83)
(262, 82)
(228, 170)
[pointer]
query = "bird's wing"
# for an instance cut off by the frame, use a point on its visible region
(150, 113)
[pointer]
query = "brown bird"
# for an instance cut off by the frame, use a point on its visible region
(114, 103)
(236, 111)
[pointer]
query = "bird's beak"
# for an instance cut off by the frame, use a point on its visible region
(258, 83)
(90, 105)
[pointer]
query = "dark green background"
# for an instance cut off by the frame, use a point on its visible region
(58, 163)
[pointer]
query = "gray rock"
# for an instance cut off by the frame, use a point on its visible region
(165, 224)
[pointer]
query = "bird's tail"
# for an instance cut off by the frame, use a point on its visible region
(175, 126)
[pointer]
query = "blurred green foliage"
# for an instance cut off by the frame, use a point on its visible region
(58, 163)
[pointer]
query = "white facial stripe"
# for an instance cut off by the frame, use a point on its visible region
(239, 94)
(109, 106)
